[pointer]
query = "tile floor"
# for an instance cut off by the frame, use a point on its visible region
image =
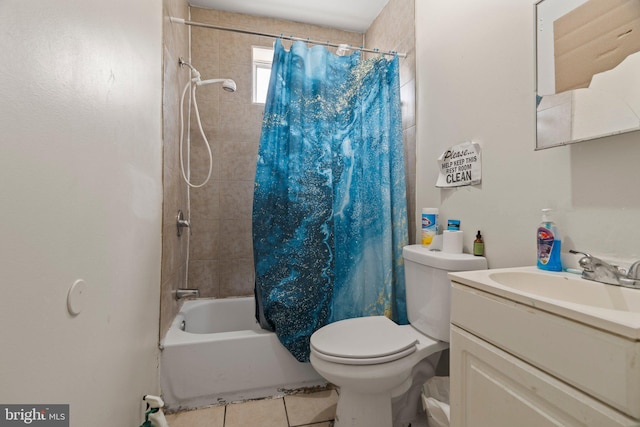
(295, 410)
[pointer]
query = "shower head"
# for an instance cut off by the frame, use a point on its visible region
(227, 84)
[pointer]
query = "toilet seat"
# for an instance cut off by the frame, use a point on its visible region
(362, 341)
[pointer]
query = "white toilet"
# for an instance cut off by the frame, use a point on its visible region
(373, 359)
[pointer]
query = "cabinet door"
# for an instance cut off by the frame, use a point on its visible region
(491, 388)
(600, 364)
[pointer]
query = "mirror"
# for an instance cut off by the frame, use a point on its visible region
(587, 69)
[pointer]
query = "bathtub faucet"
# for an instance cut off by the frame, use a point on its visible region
(187, 293)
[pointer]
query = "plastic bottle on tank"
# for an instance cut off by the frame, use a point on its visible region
(549, 244)
(429, 226)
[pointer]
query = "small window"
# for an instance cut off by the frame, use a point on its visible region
(262, 57)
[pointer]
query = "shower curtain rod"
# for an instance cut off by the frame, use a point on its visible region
(276, 36)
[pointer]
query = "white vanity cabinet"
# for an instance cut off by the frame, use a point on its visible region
(515, 364)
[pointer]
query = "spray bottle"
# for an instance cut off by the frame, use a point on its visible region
(549, 244)
(154, 417)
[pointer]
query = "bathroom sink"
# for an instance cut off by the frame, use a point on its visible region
(612, 308)
(584, 333)
(571, 289)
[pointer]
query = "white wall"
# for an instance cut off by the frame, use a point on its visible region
(81, 194)
(475, 67)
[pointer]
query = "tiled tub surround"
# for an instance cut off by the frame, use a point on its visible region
(221, 253)
(174, 248)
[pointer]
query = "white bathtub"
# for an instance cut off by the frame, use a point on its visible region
(224, 356)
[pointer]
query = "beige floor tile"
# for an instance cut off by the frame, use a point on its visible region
(207, 417)
(257, 413)
(303, 409)
(171, 419)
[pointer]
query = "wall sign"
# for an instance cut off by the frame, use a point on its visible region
(460, 165)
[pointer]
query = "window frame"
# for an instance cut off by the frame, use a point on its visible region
(259, 61)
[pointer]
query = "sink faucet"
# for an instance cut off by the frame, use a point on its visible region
(600, 271)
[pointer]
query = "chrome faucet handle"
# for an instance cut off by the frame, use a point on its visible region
(633, 277)
(181, 223)
(634, 271)
(585, 262)
(598, 270)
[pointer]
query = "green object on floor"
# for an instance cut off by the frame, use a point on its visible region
(148, 423)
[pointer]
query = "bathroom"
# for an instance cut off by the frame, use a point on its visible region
(84, 135)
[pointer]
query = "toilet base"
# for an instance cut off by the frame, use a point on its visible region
(397, 407)
(408, 406)
(363, 410)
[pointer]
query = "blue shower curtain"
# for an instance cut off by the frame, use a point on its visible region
(329, 210)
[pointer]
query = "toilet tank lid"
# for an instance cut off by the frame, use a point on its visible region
(443, 260)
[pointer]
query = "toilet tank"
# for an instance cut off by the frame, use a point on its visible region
(429, 289)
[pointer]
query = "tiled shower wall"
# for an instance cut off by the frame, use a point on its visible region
(221, 257)
(221, 253)
(174, 248)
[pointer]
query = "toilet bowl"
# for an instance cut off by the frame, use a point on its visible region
(368, 380)
(374, 360)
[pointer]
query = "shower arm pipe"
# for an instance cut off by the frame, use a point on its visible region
(183, 63)
(276, 36)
